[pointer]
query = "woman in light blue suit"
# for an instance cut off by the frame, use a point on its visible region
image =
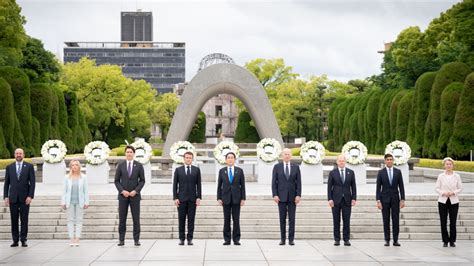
(75, 199)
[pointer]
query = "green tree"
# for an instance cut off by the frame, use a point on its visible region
(38, 63)
(245, 131)
(118, 134)
(54, 132)
(462, 140)
(271, 72)
(421, 108)
(7, 117)
(404, 110)
(65, 132)
(372, 114)
(4, 153)
(448, 107)
(198, 132)
(36, 139)
(393, 114)
(164, 111)
(359, 84)
(12, 33)
(42, 107)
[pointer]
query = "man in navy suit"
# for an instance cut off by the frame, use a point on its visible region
(18, 192)
(286, 191)
(187, 195)
(231, 195)
(390, 194)
(129, 181)
(342, 195)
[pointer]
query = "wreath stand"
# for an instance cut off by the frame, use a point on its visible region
(54, 173)
(311, 174)
(360, 171)
(264, 172)
(98, 174)
(405, 172)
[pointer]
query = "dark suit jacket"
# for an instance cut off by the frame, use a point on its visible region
(135, 182)
(336, 188)
(286, 190)
(187, 187)
(228, 192)
(386, 193)
(18, 190)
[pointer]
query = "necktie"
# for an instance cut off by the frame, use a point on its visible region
(129, 169)
(390, 175)
(343, 178)
(188, 171)
(18, 170)
(231, 176)
(287, 171)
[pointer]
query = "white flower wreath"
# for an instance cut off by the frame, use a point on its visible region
(224, 147)
(400, 150)
(355, 152)
(53, 151)
(178, 149)
(96, 152)
(268, 150)
(143, 151)
(312, 152)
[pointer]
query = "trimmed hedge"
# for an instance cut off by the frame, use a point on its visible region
(421, 108)
(438, 164)
(372, 114)
(245, 132)
(403, 115)
(7, 118)
(448, 107)
(4, 153)
(198, 132)
(42, 107)
(118, 134)
(37, 138)
(394, 107)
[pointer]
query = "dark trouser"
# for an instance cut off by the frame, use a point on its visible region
(444, 211)
(19, 210)
(123, 211)
(186, 208)
(392, 208)
(284, 208)
(346, 219)
(233, 209)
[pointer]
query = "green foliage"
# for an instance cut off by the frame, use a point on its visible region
(38, 63)
(372, 116)
(18, 138)
(7, 118)
(12, 33)
(20, 87)
(449, 73)
(393, 115)
(73, 122)
(403, 115)
(54, 132)
(382, 115)
(65, 132)
(118, 134)
(438, 164)
(421, 108)
(462, 140)
(42, 107)
(245, 132)
(165, 108)
(198, 132)
(36, 142)
(4, 153)
(448, 107)
(270, 72)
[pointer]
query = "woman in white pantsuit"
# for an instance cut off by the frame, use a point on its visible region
(75, 199)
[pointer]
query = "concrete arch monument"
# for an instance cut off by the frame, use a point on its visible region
(222, 79)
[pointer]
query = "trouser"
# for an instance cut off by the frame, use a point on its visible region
(444, 211)
(19, 210)
(186, 208)
(285, 208)
(346, 219)
(234, 210)
(74, 218)
(391, 209)
(123, 212)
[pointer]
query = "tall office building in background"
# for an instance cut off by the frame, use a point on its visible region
(162, 64)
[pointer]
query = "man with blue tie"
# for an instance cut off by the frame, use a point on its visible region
(342, 195)
(286, 191)
(390, 195)
(18, 192)
(231, 195)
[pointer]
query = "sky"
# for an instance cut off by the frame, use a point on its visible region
(339, 38)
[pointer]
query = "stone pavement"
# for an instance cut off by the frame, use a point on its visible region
(251, 252)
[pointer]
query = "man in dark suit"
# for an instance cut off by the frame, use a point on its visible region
(187, 195)
(342, 194)
(129, 181)
(286, 191)
(231, 195)
(18, 192)
(390, 194)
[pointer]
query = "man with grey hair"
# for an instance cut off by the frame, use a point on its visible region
(286, 190)
(18, 192)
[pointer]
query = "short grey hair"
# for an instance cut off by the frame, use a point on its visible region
(448, 159)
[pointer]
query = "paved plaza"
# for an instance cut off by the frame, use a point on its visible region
(251, 252)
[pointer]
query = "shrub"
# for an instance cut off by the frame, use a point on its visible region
(448, 107)
(41, 108)
(198, 132)
(7, 117)
(245, 132)
(403, 115)
(421, 109)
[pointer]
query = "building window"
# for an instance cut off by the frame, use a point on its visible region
(218, 129)
(218, 110)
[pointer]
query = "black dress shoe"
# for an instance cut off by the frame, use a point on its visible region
(337, 243)
(452, 244)
(190, 242)
(14, 244)
(445, 244)
(121, 243)
(282, 243)
(137, 243)
(292, 243)
(181, 242)
(226, 243)
(24, 244)
(237, 243)
(396, 244)
(347, 243)
(387, 243)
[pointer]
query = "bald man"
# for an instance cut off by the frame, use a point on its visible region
(286, 190)
(342, 193)
(18, 192)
